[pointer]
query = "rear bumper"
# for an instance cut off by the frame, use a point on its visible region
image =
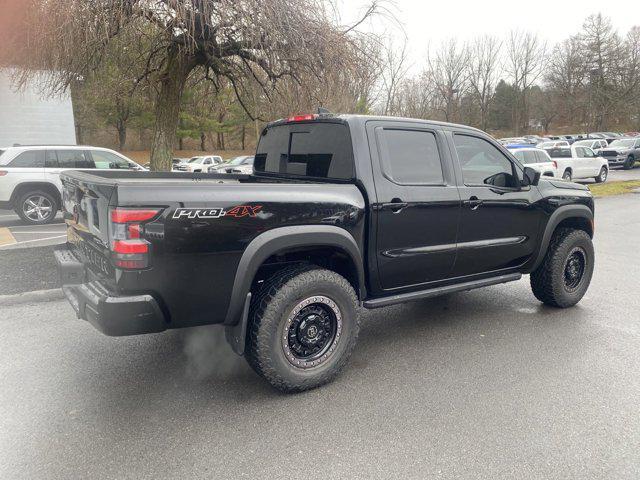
(113, 315)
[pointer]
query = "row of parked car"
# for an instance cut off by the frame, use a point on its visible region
(242, 164)
(618, 149)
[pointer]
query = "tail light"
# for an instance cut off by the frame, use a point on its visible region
(3, 173)
(302, 118)
(555, 164)
(129, 248)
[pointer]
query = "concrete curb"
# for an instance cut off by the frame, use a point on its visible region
(37, 296)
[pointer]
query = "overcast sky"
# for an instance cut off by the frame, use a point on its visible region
(427, 21)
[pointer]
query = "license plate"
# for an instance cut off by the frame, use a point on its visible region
(90, 254)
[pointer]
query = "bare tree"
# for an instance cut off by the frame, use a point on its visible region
(394, 70)
(631, 77)
(566, 74)
(447, 72)
(235, 40)
(482, 73)
(603, 48)
(525, 64)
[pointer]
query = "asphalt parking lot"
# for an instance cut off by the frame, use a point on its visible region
(483, 385)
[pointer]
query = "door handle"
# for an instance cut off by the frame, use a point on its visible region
(395, 205)
(474, 203)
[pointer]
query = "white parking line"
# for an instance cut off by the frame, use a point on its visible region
(38, 226)
(39, 232)
(31, 241)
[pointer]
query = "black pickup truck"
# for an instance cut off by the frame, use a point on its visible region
(342, 212)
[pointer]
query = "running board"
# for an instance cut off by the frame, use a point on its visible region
(434, 292)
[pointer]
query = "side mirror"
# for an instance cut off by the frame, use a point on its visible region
(531, 177)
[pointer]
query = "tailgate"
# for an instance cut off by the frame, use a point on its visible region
(85, 202)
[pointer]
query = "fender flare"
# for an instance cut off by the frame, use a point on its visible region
(562, 213)
(266, 245)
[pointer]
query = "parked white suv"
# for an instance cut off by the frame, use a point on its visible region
(30, 176)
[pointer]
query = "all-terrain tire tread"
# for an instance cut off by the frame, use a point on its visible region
(261, 316)
(541, 279)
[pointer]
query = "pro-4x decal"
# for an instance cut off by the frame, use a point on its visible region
(206, 213)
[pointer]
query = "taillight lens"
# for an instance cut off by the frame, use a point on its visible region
(129, 248)
(122, 215)
(555, 164)
(3, 173)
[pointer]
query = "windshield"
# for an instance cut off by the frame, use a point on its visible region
(627, 143)
(583, 143)
(196, 160)
(546, 144)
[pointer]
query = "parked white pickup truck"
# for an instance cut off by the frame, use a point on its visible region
(577, 163)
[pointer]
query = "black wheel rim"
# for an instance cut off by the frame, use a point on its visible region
(312, 331)
(574, 269)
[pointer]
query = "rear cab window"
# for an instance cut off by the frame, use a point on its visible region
(316, 150)
(559, 152)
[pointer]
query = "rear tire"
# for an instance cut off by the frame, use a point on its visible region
(36, 207)
(303, 328)
(565, 273)
(567, 175)
(603, 175)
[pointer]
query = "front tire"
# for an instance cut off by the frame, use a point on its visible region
(603, 175)
(303, 328)
(631, 161)
(565, 273)
(36, 208)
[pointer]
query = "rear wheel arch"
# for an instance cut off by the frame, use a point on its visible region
(26, 187)
(328, 246)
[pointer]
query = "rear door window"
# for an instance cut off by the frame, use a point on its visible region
(316, 150)
(541, 157)
(530, 157)
(74, 159)
(29, 159)
(410, 157)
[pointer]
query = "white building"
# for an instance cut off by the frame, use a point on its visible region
(28, 117)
